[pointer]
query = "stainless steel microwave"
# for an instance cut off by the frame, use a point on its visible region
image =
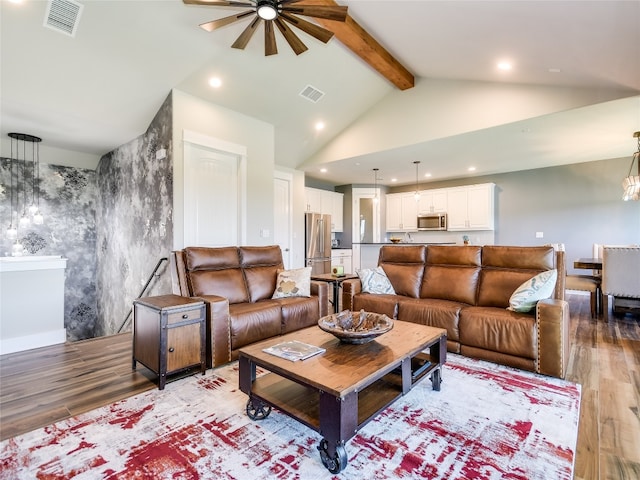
(432, 221)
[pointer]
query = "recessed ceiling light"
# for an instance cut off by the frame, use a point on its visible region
(215, 82)
(554, 70)
(427, 174)
(505, 66)
(323, 170)
(394, 180)
(319, 126)
(471, 169)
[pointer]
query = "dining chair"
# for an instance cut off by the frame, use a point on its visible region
(621, 279)
(584, 283)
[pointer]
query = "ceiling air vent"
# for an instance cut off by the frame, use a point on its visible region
(63, 16)
(312, 94)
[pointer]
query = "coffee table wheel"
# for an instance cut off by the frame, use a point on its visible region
(436, 379)
(336, 463)
(257, 410)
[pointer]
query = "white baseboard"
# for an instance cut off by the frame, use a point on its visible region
(27, 342)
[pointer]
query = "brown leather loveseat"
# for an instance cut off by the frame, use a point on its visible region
(466, 290)
(237, 284)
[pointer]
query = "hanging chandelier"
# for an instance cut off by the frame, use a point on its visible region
(375, 185)
(24, 173)
(631, 184)
(417, 192)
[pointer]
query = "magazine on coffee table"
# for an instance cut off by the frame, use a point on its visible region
(294, 350)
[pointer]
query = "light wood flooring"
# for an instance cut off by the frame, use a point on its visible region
(41, 386)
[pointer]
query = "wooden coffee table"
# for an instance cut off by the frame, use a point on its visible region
(337, 392)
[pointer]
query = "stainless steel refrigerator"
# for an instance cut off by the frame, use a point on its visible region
(318, 242)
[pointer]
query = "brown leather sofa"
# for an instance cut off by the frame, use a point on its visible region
(466, 290)
(236, 284)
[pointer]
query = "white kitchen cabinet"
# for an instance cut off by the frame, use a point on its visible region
(314, 200)
(402, 212)
(328, 202)
(433, 201)
(471, 207)
(342, 257)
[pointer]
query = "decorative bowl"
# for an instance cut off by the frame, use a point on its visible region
(395, 240)
(356, 327)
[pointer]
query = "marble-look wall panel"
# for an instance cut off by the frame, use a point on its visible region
(67, 203)
(134, 221)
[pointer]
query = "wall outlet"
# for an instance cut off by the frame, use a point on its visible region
(539, 234)
(264, 233)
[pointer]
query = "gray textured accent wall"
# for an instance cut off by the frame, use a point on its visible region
(67, 203)
(134, 221)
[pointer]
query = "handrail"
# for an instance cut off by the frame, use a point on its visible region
(126, 320)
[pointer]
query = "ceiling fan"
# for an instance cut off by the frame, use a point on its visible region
(279, 12)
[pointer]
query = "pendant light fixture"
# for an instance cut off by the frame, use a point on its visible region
(631, 184)
(375, 185)
(417, 192)
(24, 150)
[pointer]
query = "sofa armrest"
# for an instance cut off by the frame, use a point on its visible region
(218, 330)
(349, 289)
(321, 290)
(552, 322)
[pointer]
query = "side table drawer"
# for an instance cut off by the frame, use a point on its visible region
(184, 316)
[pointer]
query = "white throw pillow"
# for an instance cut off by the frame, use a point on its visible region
(293, 283)
(374, 280)
(527, 295)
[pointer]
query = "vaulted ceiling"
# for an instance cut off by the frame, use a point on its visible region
(575, 62)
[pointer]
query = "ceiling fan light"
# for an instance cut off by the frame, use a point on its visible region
(266, 10)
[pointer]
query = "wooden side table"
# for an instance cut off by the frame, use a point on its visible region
(169, 334)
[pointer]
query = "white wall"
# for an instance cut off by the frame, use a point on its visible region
(436, 109)
(197, 115)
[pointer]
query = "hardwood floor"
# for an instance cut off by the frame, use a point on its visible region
(41, 386)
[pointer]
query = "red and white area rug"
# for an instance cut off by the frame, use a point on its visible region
(487, 422)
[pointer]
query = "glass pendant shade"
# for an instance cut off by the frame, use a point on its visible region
(38, 219)
(416, 195)
(631, 184)
(24, 221)
(17, 250)
(12, 232)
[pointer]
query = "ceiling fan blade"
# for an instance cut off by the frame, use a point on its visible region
(270, 47)
(292, 39)
(338, 13)
(312, 29)
(219, 3)
(246, 35)
(221, 22)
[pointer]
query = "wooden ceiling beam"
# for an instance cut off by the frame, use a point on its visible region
(356, 38)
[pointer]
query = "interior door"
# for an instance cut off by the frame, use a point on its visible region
(212, 200)
(283, 216)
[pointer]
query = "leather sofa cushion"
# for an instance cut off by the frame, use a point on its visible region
(458, 284)
(404, 267)
(255, 256)
(434, 313)
(261, 281)
(523, 258)
(204, 258)
(460, 255)
(251, 322)
(405, 279)
(299, 312)
(499, 330)
(379, 303)
(228, 283)
(497, 286)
